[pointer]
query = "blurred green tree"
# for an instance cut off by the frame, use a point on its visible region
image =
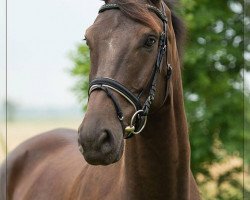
(80, 70)
(213, 88)
(213, 85)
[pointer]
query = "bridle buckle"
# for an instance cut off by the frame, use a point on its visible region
(131, 128)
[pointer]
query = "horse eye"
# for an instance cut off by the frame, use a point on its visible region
(150, 42)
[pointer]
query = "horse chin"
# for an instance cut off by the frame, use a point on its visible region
(119, 152)
(97, 158)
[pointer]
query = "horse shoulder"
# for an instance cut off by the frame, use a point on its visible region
(34, 155)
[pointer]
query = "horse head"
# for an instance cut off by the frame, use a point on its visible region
(129, 76)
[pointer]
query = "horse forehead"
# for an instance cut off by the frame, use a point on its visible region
(110, 19)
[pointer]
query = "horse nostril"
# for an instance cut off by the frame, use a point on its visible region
(104, 136)
(96, 143)
(105, 141)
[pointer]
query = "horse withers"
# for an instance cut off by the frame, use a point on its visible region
(134, 135)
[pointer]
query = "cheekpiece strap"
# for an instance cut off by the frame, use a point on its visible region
(158, 12)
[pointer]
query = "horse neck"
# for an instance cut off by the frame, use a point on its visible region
(157, 161)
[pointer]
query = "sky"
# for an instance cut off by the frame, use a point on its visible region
(2, 51)
(40, 36)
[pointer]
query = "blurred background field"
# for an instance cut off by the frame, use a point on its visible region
(20, 129)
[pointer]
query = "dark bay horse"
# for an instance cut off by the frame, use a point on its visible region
(135, 86)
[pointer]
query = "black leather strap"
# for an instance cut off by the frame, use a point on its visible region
(115, 102)
(111, 6)
(161, 53)
(118, 86)
(158, 12)
(108, 6)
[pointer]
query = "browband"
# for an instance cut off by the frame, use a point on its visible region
(139, 118)
(157, 11)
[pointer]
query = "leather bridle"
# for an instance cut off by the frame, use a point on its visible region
(139, 118)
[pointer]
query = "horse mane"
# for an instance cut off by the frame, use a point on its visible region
(137, 12)
(178, 25)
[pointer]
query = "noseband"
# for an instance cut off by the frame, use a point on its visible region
(139, 118)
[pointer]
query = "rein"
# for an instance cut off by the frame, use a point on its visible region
(139, 118)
